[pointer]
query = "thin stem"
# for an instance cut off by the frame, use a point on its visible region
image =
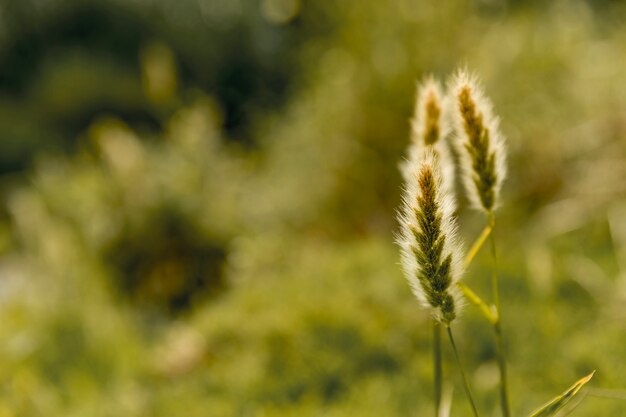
(494, 275)
(480, 241)
(504, 394)
(437, 365)
(466, 386)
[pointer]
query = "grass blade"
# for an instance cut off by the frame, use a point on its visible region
(557, 403)
(477, 245)
(478, 302)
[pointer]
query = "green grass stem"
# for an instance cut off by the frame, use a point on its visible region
(504, 392)
(437, 363)
(466, 386)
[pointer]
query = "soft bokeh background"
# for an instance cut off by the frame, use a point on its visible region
(198, 204)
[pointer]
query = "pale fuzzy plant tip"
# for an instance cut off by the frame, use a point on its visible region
(478, 140)
(428, 126)
(430, 250)
(445, 161)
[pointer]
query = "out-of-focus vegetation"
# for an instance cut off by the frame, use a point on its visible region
(198, 205)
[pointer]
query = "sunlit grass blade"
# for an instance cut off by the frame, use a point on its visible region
(559, 402)
(477, 245)
(470, 295)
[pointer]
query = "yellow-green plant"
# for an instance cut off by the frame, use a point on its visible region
(482, 154)
(431, 255)
(427, 128)
(430, 251)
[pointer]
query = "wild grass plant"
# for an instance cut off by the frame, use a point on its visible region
(432, 257)
(316, 319)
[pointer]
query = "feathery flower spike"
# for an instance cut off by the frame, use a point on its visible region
(479, 142)
(427, 126)
(429, 129)
(428, 242)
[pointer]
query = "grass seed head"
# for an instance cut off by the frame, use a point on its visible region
(428, 241)
(479, 143)
(430, 128)
(427, 125)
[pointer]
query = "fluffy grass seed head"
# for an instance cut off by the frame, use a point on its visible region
(479, 143)
(427, 125)
(429, 247)
(430, 128)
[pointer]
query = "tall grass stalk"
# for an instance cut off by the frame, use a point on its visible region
(466, 386)
(431, 255)
(497, 324)
(430, 251)
(482, 155)
(428, 243)
(437, 366)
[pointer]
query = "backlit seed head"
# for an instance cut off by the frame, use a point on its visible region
(478, 140)
(427, 124)
(430, 128)
(428, 242)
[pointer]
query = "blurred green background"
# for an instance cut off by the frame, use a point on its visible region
(198, 205)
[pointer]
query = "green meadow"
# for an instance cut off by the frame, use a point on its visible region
(199, 199)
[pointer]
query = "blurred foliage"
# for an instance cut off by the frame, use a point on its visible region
(200, 213)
